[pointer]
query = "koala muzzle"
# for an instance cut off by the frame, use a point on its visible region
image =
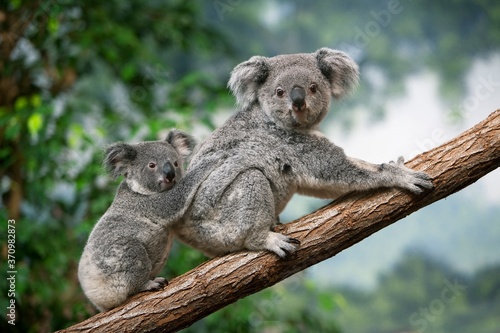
(168, 172)
(298, 96)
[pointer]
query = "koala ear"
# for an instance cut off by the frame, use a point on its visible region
(246, 79)
(339, 69)
(182, 142)
(118, 157)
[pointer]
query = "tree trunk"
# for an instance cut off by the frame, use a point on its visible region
(324, 233)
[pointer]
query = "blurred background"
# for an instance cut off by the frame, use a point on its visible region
(75, 76)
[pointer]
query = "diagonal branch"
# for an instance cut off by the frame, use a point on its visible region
(324, 233)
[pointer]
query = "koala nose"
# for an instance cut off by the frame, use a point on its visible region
(168, 171)
(298, 96)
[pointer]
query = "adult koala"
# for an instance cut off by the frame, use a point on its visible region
(274, 136)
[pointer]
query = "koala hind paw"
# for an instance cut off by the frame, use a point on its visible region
(155, 284)
(280, 244)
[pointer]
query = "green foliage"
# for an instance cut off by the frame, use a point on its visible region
(92, 81)
(422, 294)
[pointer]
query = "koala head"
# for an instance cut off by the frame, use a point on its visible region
(294, 90)
(152, 166)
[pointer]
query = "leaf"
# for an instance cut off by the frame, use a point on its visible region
(20, 103)
(326, 302)
(128, 72)
(75, 135)
(35, 122)
(53, 25)
(15, 4)
(36, 100)
(13, 129)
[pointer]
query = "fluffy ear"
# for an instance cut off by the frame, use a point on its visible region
(339, 69)
(118, 157)
(246, 79)
(182, 142)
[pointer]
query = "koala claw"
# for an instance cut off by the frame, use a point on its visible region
(161, 280)
(421, 182)
(293, 240)
(280, 244)
(417, 182)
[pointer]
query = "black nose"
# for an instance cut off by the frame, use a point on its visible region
(168, 171)
(298, 96)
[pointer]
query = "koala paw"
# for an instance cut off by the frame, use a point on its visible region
(406, 178)
(280, 244)
(156, 284)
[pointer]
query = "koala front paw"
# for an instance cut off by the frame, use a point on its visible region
(280, 244)
(156, 284)
(406, 178)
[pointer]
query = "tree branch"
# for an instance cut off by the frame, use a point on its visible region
(324, 233)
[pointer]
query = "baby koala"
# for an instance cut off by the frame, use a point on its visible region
(131, 242)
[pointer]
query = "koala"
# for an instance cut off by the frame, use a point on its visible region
(274, 139)
(130, 243)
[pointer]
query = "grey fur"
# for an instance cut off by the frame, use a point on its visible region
(131, 242)
(274, 144)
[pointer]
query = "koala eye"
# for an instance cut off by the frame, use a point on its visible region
(152, 165)
(280, 92)
(313, 88)
(176, 164)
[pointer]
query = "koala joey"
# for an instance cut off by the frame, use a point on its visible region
(275, 140)
(130, 243)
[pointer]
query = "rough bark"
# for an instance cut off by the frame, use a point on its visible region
(324, 233)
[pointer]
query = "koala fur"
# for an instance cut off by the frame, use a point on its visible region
(130, 243)
(273, 139)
